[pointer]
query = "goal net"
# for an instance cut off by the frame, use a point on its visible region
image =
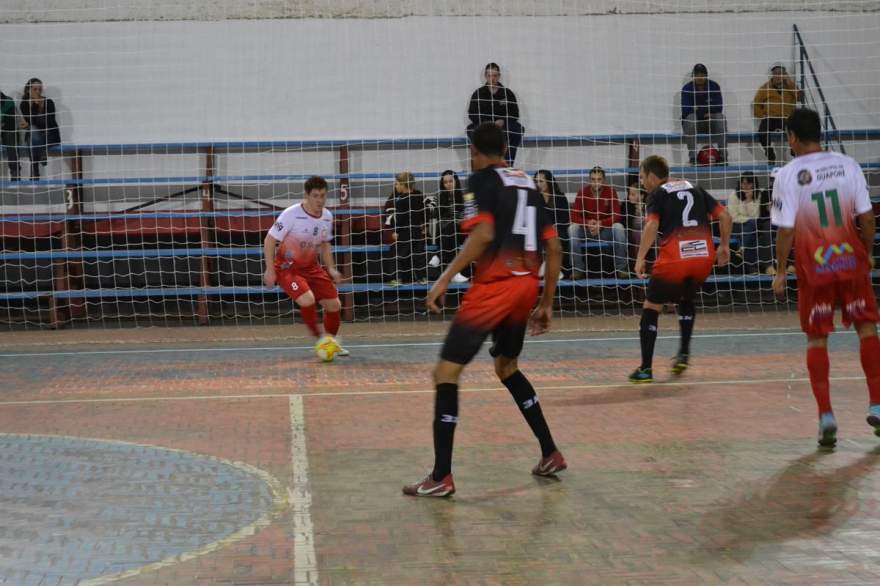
(157, 143)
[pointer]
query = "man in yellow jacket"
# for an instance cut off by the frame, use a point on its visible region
(773, 103)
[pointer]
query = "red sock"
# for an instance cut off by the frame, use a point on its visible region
(331, 322)
(310, 318)
(870, 354)
(817, 364)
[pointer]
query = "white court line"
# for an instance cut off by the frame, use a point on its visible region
(305, 563)
(541, 388)
(389, 345)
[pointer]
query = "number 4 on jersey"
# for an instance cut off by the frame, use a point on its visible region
(525, 220)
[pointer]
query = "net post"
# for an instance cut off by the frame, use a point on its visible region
(344, 233)
(206, 234)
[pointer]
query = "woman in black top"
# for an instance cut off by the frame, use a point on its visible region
(560, 212)
(450, 213)
(495, 103)
(38, 113)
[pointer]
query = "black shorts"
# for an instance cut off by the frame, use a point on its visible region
(662, 291)
(463, 342)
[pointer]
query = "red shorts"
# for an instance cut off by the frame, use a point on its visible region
(855, 298)
(500, 308)
(297, 283)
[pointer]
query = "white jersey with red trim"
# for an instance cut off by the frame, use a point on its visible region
(300, 235)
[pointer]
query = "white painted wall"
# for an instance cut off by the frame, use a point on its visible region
(299, 79)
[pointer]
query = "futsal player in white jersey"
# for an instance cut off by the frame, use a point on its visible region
(300, 237)
(822, 208)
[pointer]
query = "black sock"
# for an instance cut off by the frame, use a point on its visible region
(686, 315)
(445, 418)
(648, 335)
(524, 394)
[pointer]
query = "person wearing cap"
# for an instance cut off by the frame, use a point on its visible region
(701, 112)
(773, 103)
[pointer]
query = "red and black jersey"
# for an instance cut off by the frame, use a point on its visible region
(685, 213)
(509, 200)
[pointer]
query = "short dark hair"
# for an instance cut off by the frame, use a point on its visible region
(492, 66)
(699, 69)
(598, 169)
(315, 182)
(657, 165)
(805, 125)
(489, 140)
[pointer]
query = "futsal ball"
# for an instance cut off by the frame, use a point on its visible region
(326, 348)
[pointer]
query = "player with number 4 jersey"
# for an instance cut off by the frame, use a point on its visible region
(821, 206)
(508, 232)
(682, 214)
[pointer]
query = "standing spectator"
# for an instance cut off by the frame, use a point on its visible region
(773, 103)
(38, 113)
(407, 216)
(9, 135)
(495, 103)
(749, 210)
(632, 213)
(559, 210)
(450, 213)
(596, 217)
(701, 107)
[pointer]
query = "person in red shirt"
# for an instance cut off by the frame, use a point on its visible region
(595, 216)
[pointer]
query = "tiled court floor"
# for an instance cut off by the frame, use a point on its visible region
(215, 456)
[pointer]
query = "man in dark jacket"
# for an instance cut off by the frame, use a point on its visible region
(701, 107)
(495, 103)
(9, 135)
(406, 214)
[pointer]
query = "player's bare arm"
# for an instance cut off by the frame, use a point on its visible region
(649, 236)
(867, 227)
(329, 263)
(784, 241)
(539, 321)
(269, 245)
(476, 244)
(722, 255)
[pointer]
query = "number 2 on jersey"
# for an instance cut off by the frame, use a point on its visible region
(525, 219)
(819, 200)
(686, 220)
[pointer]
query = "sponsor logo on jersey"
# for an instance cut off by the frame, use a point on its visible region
(693, 248)
(673, 186)
(315, 231)
(856, 308)
(279, 226)
(515, 178)
(777, 204)
(804, 177)
(835, 258)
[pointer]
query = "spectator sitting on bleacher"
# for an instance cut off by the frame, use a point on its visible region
(9, 135)
(449, 212)
(406, 215)
(773, 103)
(495, 103)
(632, 212)
(560, 212)
(38, 119)
(701, 112)
(750, 211)
(595, 216)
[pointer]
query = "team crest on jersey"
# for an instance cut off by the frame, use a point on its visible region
(804, 177)
(470, 205)
(315, 231)
(515, 178)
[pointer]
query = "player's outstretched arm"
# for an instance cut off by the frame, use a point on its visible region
(269, 245)
(867, 225)
(476, 244)
(649, 236)
(722, 255)
(539, 321)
